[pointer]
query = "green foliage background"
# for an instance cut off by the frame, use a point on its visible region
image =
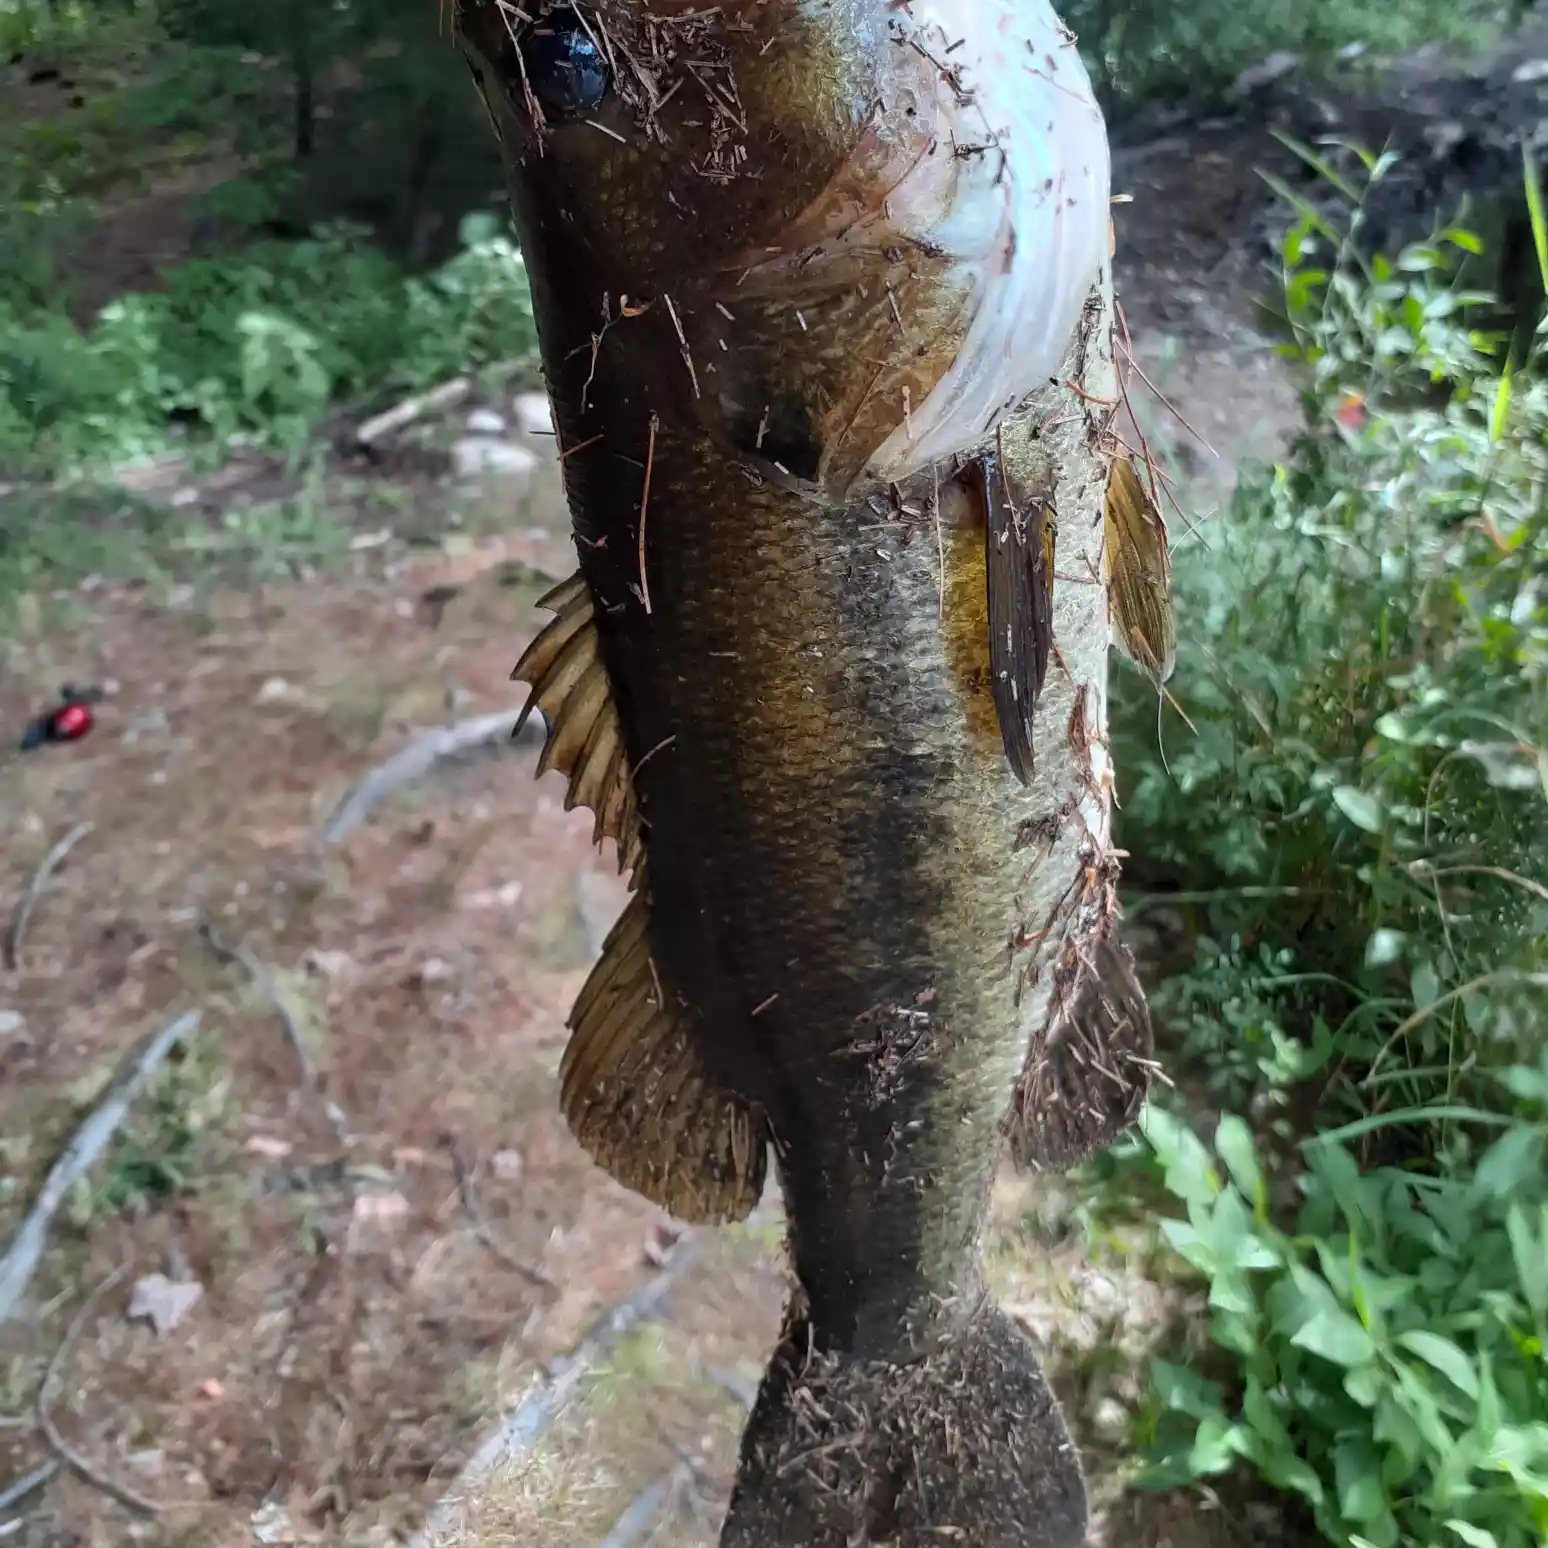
(1366, 801)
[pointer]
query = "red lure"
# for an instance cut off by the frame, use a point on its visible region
(68, 721)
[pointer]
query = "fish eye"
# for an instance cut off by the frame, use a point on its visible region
(565, 69)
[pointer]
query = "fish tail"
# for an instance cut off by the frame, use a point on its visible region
(966, 1445)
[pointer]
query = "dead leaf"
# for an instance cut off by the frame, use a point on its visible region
(164, 1302)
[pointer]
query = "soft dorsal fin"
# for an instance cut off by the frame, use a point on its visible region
(640, 1100)
(585, 742)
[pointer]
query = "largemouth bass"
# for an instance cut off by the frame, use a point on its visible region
(824, 302)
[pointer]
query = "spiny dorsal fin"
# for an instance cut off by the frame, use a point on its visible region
(639, 1098)
(1138, 572)
(585, 737)
(1087, 1077)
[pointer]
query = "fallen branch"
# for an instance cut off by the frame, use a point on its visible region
(639, 1521)
(67, 1453)
(410, 409)
(414, 762)
(24, 1248)
(51, 863)
(521, 1428)
(28, 1483)
(485, 1233)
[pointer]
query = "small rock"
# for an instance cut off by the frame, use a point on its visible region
(337, 965)
(507, 1165)
(483, 421)
(477, 456)
(182, 498)
(12, 1022)
(376, 1208)
(435, 970)
(164, 1302)
(145, 725)
(1099, 1296)
(274, 690)
(1530, 70)
(534, 414)
(1272, 69)
(272, 1524)
(1110, 1421)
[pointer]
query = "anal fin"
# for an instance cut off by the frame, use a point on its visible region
(1087, 1078)
(639, 1098)
(585, 742)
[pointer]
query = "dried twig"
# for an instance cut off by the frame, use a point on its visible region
(643, 1514)
(406, 412)
(66, 1453)
(28, 1483)
(413, 762)
(24, 1248)
(519, 1431)
(51, 863)
(485, 1233)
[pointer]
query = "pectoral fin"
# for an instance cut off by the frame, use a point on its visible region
(585, 737)
(1018, 553)
(641, 1101)
(1087, 1078)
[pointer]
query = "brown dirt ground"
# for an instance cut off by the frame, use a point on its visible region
(358, 1333)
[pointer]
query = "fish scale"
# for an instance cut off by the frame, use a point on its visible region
(852, 748)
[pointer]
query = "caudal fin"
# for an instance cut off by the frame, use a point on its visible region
(966, 1446)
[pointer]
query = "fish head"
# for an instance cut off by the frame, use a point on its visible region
(673, 136)
(876, 222)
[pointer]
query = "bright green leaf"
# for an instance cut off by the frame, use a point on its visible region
(1444, 1356)
(1360, 807)
(1336, 1336)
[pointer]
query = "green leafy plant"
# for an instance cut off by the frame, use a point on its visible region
(1367, 804)
(257, 349)
(1139, 51)
(1372, 794)
(1389, 1344)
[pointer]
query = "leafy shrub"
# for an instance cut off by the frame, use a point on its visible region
(1138, 50)
(1390, 1344)
(257, 348)
(1377, 784)
(1366, 804)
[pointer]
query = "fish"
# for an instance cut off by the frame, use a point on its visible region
(823, 298)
